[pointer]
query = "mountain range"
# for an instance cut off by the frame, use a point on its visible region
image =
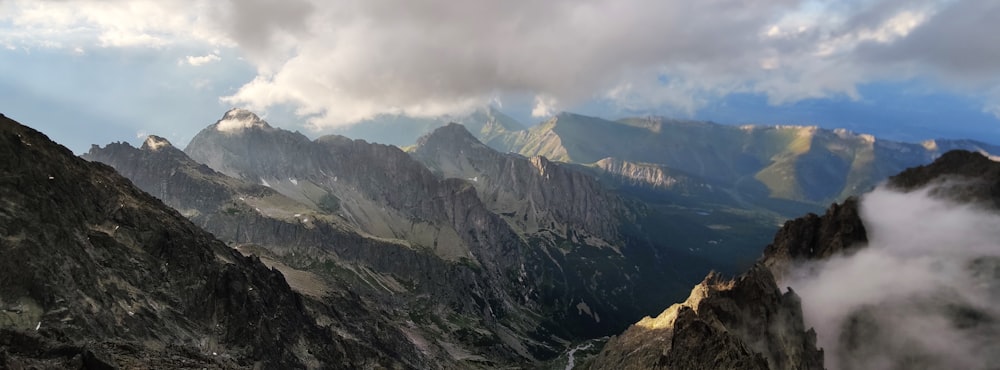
(484, 244)
(483, 255)
(759, 164)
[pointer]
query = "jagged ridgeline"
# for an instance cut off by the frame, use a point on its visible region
(342, 253)
(96, 273)
(480, 257)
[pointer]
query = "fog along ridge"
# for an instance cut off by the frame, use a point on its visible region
(923, 293)
(905, 278)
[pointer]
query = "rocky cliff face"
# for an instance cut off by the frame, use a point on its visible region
(639, 174)
(99, 274)
(839, 231)
(743, 323)
(533, 193)
(746, 323)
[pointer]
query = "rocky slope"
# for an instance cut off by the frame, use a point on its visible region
(746, 323)
(99, 274)
(536, 193)
(412, 287)
(526, 240)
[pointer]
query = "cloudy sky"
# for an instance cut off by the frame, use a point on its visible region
(89, 71)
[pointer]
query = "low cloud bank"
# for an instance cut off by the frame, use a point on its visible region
(924, 294)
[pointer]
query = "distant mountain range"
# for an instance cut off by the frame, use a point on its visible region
(756, 163)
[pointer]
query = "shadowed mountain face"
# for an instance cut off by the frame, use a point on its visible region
(97, 273)
(539, 197)
(488, 259)
(867, 274)
(540, 193)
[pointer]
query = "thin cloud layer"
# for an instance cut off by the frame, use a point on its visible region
(343, 61)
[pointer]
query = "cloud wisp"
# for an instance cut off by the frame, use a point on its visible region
(196, 61)
(343, 61)
(923, 294)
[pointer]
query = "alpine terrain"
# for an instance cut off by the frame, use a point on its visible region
(258, 247)
(482, 257)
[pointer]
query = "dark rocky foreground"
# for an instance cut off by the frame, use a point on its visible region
(98, 274)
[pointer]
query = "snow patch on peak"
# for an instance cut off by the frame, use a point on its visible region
(156, 143)
(237, 119)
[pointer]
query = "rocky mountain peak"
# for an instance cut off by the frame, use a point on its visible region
(155, 143)
(237, 119)
(816, 237)
(451, 131)
(454, 138)
(745, 323)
